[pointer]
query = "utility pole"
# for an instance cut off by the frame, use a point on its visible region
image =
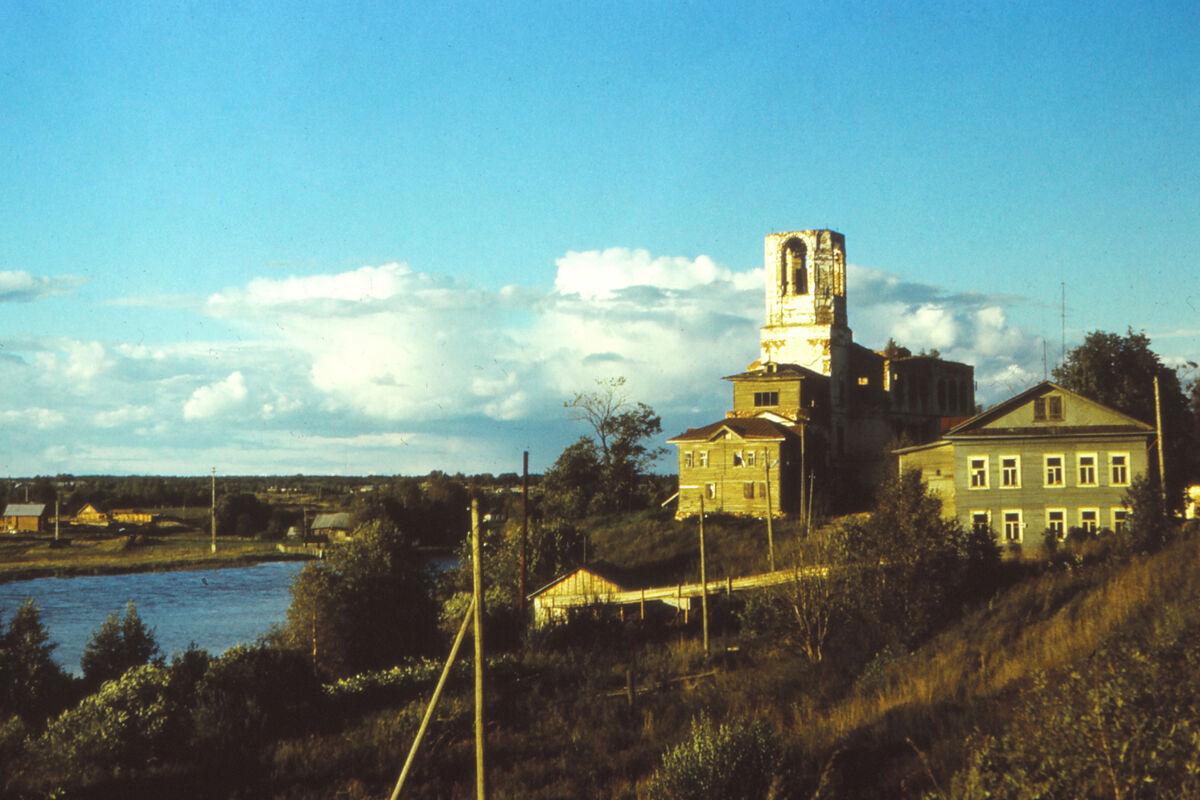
(803, 437)
(770, 531)
(477, 591)
(703, 578)
(56, 518)
(812, 477)
(214, 510)
(1162, 469)
(524, 527)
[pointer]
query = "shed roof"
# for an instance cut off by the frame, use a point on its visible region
(324, 521)
(24, 509)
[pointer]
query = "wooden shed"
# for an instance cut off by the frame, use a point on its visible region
(24, 517)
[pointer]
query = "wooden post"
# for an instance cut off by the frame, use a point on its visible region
(770, 531)
(703, 580)
(56, 515)
(803, 475)
(477, 587)
(629, 686)
(642, 604)
(437, 693)
(214, 509)
(1162, 469)
(524, 527)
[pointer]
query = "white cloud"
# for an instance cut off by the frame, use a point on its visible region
(123, 416)
(20, 286)
(217, 398)
(600, 274)
(340, 362)
(40, 418)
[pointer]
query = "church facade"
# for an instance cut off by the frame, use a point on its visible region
(817, 413)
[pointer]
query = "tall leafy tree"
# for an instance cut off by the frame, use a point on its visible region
(1119, 372)
(119, 643)
(604, 472)
(368, 606)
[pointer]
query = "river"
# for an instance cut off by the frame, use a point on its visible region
(216, 609)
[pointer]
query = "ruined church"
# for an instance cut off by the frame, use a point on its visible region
(817, 414)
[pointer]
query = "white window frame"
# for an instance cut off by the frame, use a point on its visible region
(1123, 466)
(710, 491)
(738, 459)
(1083, 523)
(702, 459)
(987, 516)
(972, 472)
(749, 458)
(1060, 532)
(689, 459)
(1120, 518)
(1079, 467)
(1019, 524)
(1061, 468)
(1015, 472)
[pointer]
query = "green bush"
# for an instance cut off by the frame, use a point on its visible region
(732, 761)
(124, 725)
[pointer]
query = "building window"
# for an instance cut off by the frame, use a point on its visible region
(981, 521)
(748, 490)
(979, 472)
(1054, 471)
(688, 460)
(766, 399)
(710, 491)
(1120, 518)
(1119, 466)
(1056, 522)
(1048, 409)
(737, 458)
(1087, 469)
(1089, 519)
(703, 458)
(1012, 526)
(1010, 472)
(749, 458)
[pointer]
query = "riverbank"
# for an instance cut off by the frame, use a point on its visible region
(27, 557)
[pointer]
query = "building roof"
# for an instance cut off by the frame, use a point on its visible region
(340, 520)
(622, 579)
(976, 426)
(774, 371)
(742, 427)
(24, 509)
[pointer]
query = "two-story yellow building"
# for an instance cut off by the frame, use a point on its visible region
(1046, 459)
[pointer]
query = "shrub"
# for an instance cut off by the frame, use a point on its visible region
(733, 761)
(124, 725)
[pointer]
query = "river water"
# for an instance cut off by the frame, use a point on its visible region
(216, 609)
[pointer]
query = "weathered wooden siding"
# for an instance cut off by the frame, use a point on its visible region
(727, 479)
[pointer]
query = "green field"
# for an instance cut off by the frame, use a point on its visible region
(24, 556)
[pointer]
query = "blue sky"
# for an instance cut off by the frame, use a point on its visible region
(390, 237)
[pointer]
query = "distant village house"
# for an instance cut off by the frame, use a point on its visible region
(24, 518)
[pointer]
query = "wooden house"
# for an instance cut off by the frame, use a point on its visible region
(334, 527)
(90, 515)
(24, 518)
(1045, 460)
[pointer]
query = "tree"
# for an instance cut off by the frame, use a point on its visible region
(118, 644)
(32, 685)
(606, 470)
(1119, 372)
(913, 560)
(367, 607)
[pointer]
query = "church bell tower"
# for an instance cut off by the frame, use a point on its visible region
(806, 301)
